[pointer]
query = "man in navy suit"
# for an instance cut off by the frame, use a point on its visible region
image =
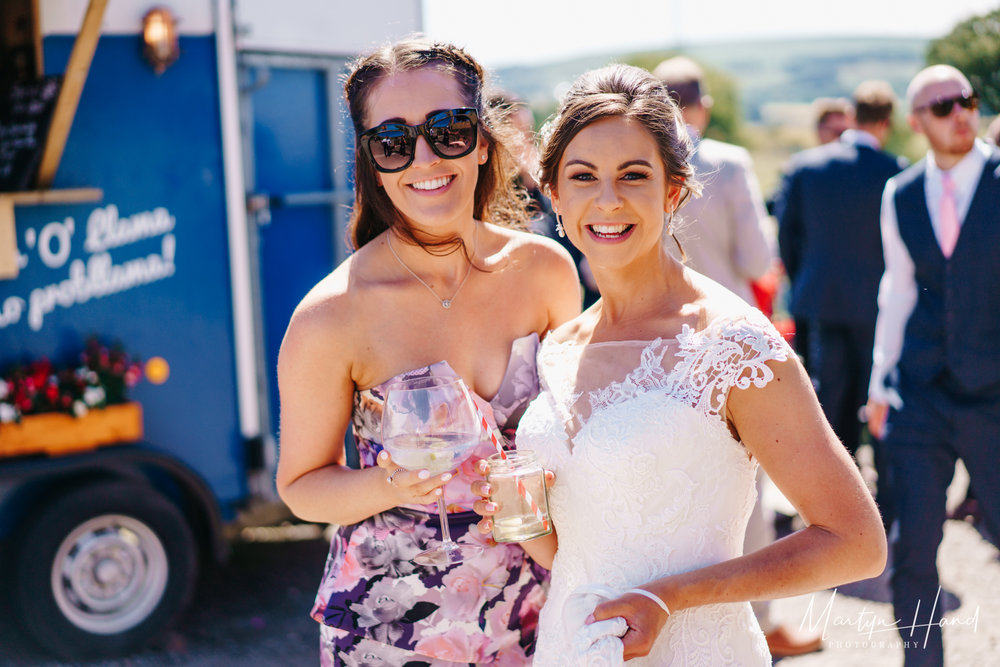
(936, 374)
(831, 246)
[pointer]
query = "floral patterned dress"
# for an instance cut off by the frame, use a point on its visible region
(378, 608)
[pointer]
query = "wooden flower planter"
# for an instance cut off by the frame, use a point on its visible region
(57, 434)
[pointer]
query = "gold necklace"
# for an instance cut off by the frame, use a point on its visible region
(445, 303)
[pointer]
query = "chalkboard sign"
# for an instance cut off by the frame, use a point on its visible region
(25, 113)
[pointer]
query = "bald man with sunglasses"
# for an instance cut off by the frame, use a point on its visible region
(935, 387)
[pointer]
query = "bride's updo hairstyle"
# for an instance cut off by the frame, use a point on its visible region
(497, 199)
(631, 93)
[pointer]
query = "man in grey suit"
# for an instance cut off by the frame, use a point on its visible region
(830, 242)
(726, 236)
(725, 232)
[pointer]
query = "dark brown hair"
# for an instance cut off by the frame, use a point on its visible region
(873, 102)
(496, 198)
(627, 92)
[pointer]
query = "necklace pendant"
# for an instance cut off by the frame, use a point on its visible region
(446, 303)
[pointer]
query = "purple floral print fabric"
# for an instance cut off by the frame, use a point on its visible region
(379, 608)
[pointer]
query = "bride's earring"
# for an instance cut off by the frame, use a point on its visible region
(670, 232)
(559, 226)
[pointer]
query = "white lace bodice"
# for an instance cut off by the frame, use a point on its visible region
(649, 479)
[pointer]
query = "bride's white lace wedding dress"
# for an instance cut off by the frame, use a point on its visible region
(649, 479)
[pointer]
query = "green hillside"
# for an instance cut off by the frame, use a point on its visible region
(772, 72)
(800, 71)
(775, 83)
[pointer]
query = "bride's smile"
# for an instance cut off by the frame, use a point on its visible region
(612, 192)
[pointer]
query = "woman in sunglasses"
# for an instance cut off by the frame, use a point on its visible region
(440, 284)
(658, 404)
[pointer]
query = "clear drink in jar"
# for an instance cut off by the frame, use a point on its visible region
(518, 489)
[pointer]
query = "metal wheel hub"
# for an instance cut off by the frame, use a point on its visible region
(104, 568)
(109, 574)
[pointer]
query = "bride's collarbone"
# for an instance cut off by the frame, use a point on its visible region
(636, 331)
(666, 324)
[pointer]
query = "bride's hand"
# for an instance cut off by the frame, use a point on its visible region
(483, 507)
(481, 488)
(645, 620)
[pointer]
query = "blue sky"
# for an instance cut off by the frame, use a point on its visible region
(507, 32)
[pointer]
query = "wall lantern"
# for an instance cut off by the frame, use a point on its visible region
(159, 36)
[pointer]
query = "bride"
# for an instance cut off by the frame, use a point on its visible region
(657, 405)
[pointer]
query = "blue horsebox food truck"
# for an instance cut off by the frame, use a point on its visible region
(174, 176)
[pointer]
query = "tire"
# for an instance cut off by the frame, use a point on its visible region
(102, 569)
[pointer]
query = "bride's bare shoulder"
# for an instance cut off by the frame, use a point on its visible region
(715, 303)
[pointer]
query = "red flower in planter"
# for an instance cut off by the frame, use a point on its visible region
(99, 380)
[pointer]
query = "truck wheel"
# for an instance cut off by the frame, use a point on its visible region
(102, 569)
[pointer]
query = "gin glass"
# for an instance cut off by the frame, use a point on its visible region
(430, 423)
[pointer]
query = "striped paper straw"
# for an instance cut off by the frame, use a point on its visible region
(535, 509)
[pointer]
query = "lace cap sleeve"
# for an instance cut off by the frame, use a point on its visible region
(732, 351)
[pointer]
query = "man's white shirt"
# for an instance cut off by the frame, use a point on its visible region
(897, 294)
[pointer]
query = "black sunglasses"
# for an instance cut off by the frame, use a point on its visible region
(941, 108)
(451, 134)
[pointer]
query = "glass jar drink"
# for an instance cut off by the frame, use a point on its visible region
(518, 489)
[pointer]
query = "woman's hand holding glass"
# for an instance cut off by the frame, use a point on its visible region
(412, 487)
(429, 426)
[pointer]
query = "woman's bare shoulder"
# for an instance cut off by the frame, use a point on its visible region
(329, 299)
(578, 330)
(335, 307)
(539, 271)
(533, 251)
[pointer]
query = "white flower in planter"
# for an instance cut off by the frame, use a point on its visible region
(93, 396)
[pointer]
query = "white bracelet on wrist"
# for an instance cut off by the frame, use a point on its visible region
(651, 596)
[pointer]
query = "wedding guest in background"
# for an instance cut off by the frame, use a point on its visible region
(935, 385)
(726, 236)
(833, 116)
(439, 284)
(514, 111)
(725, 233)
(993, 132)
(657, 405)
(543, 220)
(831, 245)
(968, 508)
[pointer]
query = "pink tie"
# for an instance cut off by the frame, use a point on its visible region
(949, 215)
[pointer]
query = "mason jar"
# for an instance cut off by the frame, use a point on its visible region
(517, 487)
